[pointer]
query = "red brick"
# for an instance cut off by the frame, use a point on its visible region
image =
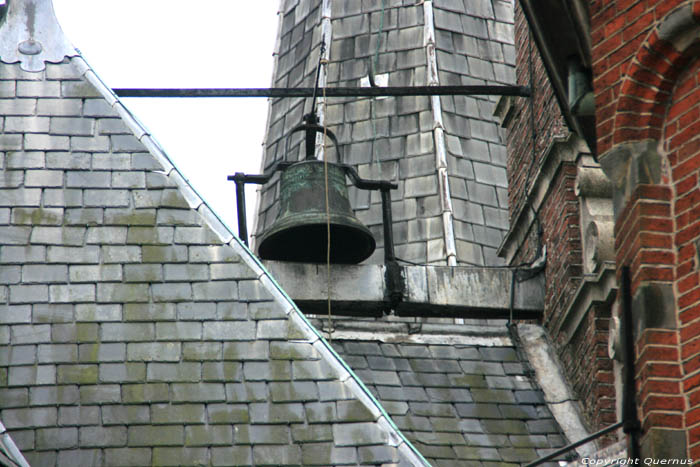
(691, 382)
(689, 331)
(692, 365)
(688, 200)
(668, 420)
(657, 337)
(687, 234)
(660, 370)
(663, 403)
(690, 182)
(655, 353)
(690, 314)
(689, 298)
(694, 434)
(687, 283)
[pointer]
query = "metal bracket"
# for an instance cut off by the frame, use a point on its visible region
(395, 282)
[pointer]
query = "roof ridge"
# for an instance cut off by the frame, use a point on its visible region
(394, 436)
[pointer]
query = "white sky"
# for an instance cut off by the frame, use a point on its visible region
(178, 43)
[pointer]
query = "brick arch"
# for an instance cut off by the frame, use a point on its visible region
(681, 144)
(652, 74)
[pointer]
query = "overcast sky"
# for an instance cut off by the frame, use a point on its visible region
(178, 43)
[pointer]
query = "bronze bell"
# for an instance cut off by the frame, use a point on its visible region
(300, 231)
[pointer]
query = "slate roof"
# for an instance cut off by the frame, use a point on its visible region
(135, 329)
(462, 395)
(393, 138)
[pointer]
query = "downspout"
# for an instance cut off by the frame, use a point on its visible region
(439, 137)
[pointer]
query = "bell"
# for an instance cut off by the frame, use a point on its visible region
(300, 231)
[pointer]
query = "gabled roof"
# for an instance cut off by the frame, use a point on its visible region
(136, 329)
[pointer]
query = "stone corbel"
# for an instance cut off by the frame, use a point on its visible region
(595, 192)
(629, 165)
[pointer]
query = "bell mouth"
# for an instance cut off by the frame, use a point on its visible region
(308, 243)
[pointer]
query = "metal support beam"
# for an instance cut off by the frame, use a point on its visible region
(523, 91)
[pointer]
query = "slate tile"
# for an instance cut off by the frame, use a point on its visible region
(446, 424)
(485, 439)
(525, 441)
(505, 426)
(357, 434)
(295, 391)
(413, 423)
(542, 426)
(414, 351)
(377, 455)
(468, 381)
(518, 454)
(482, 368)
(501, 354)
(519, 411)
(433, 409)
(277, 455)
(353, 411)
(402, 393)
(362, 348)
(479, 410)
(449, 395)
(381, 363)
(477, 453)
(311, 433)
(436, 451)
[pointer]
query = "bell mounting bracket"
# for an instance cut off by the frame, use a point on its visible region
(394, 280)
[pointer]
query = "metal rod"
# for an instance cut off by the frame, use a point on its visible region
(523, 91)
(571, 446)
(240, 204)
(389, 254)
(632, 427)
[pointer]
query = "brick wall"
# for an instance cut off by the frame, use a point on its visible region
(548, 121)
(683, 146)
(647, 89)
(559, 216)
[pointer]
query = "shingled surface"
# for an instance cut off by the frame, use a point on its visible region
(392, 138)
(460, 403)
(134, 328)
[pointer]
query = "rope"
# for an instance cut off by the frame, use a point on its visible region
(328, 209)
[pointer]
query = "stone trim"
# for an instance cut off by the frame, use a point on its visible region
(562, 150)
(549, 375)
(594, 289)
(629, 165)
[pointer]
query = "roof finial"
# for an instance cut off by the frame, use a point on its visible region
(30, 34)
